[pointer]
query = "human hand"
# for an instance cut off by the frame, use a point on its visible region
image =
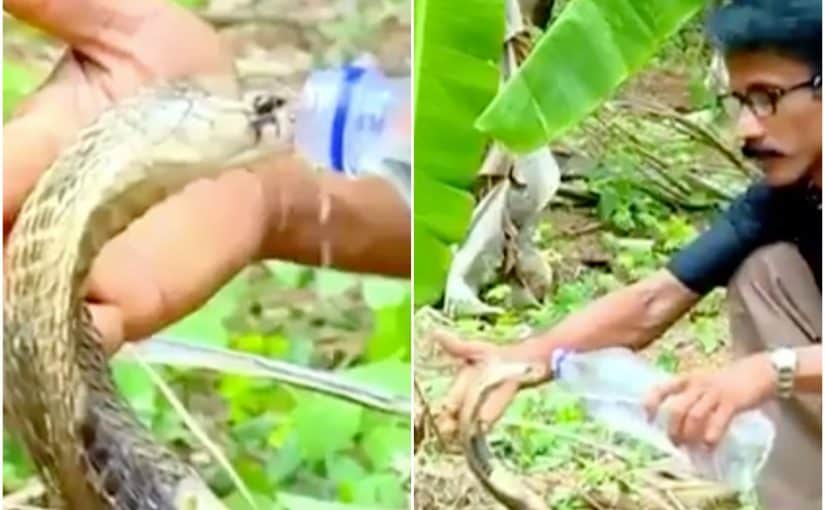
(170, 261)
(701, 405)
(473, 356)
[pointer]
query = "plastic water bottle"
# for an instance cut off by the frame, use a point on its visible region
(613, 383)
(354, 120)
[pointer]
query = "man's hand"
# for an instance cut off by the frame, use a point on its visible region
(701, 405)
(173, 259)
(169, 262)
(472, 355)
(114, 48)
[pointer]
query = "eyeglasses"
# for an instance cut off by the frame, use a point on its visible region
(762, 101)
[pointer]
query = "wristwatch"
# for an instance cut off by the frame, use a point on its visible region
(784, 363)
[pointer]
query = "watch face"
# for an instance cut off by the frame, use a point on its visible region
(784, 359)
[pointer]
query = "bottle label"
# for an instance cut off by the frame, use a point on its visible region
(339, 122)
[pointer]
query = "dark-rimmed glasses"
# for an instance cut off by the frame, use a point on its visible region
(762, 101)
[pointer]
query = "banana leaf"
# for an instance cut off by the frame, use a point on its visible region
(458, 46)
(589, 50)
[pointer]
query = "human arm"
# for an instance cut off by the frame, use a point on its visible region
(367, 227)
(173, 259)
(183, 250)
(808, 375)
(634, 315)
(702, 404)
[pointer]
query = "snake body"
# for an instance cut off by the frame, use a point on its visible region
(91, 451)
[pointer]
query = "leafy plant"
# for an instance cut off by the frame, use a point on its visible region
(589, 50)
(456, 74)
(18, 82)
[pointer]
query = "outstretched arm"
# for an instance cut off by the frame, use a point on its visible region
(363, 224)
(632, 316)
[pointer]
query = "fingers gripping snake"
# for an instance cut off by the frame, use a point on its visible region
(503, 485)
(59, 398)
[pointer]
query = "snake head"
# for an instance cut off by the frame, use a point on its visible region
(199, 130)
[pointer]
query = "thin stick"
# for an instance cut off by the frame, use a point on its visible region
(428, 415)
(199, 433)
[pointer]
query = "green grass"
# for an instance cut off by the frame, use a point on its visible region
(292, 448)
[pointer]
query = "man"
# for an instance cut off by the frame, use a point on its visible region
(766, 249)
(182, 251)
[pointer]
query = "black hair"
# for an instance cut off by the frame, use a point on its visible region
(786, 27)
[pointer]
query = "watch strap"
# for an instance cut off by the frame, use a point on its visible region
(784, 362)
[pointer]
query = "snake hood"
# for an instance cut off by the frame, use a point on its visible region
(59, 397)
(193, 133)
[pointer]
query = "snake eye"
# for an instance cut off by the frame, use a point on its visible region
(264, 105)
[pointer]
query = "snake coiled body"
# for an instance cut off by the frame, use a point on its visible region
(59, 398)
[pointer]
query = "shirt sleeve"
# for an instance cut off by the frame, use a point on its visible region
(711, 259)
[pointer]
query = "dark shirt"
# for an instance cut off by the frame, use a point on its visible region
(761, 215)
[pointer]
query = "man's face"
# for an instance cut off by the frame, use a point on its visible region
(787, 144)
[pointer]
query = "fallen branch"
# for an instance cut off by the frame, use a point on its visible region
(700, 132)
(428, 415)
(172, 352)
(582, 230)
(247, 16)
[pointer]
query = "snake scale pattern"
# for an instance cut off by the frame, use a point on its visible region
(59, 398)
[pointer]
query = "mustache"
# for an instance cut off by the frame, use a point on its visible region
(756, 151)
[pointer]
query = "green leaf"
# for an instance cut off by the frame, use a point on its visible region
(253, 474)
(390, 300)
(296, 502)
(380, 489)
(458, 46)
(385, 445)
(191, 4)
(18, 82)
(667, 360)
(342, 468)
(17, 467)
(134, 383)
(288, 274)
(330, 282)
(390, 375)
(285, 462)
(432, 260)
(346, 473)
(591, 48)
(391, 332)
(237, 501)
(325, 425)
(381, 292)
